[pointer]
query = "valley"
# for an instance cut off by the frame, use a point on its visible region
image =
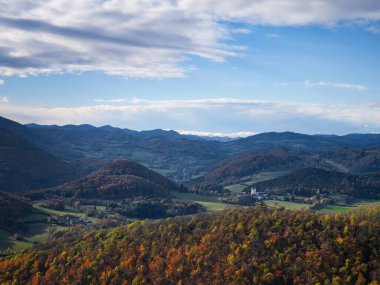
(189, 142)
(163, 178)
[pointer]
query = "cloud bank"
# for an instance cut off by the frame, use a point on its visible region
(149, 38)
(312, 84)
(223, 115)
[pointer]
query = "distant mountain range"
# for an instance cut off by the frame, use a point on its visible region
(186, 159)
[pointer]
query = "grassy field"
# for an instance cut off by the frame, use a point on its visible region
(33, 234)
(286, 204)
(68, 211)
(337, 209)
(235, 188)
(340, 208)
(366, 202)
(37, 228)
(211, 203)
(263, 176)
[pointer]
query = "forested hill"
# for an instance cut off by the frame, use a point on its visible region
(120, 179)
(11, 209)
(252, 246)
(233, 169)
(23, 166)
(357, 160)
(307, 181)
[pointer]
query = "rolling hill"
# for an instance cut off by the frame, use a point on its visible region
(357, 160)
(306, 181)
(11, 209)
(120, 179)
(179, 157)
(24, 166)
(232, 170)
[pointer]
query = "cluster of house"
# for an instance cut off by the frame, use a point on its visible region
(258, 196)
(70, 220)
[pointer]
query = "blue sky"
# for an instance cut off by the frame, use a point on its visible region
(305, 67)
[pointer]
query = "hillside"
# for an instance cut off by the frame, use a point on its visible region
(307, 181)
(179, 157)
(253, 246)
(120, 179)
(24, 166)
(245, 165)
(357, 160)
(11, 209)
(310, 143)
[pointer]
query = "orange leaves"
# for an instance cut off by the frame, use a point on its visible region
(339, 240)
(231, 259)
(36, 280)
(142, 248)
(212, 249)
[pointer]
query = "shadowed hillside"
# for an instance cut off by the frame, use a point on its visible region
(120, 179)
(12, 208)
(307, 181)
(358, 160)
(24, 166)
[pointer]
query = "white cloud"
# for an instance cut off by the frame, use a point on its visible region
(273, 35)
(148, 38)
(120, 100)
(216, 134)
(4, 99)
(311, 84)
(220, 115)
(2, 82)
(358, 87)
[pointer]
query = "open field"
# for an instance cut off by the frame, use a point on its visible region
(33, 234)
(68, 211)
(286, 204)
(211, 203)
(366, 202)
(339, 208)
(334, 209)
(36, 227)
(235, 188)
(262, 176)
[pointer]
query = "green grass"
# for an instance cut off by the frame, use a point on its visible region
(340, 208)
(164, 171)
(235, 188)
(263, 176)
(101, 208)
(336, 209)
(34, 233)
(286, 204)
(68, 211)
(211, 203)
(37, 230)
(366, 202)
(199, 175)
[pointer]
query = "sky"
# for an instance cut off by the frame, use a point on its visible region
(200, 67)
